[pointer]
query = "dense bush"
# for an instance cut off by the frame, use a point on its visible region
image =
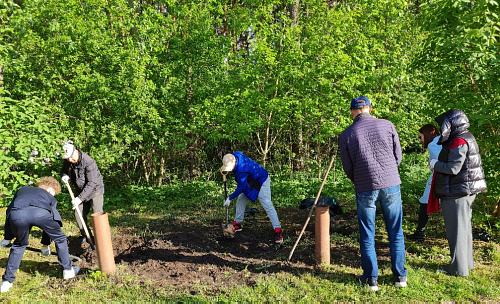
(460, 63)
(158, 90)
(31, 134)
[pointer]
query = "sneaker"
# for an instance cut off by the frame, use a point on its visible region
(4, 243)
(370, 283)
(71, 273)
(6, 285)
(278, 235)
(441, 270)
(400, 282)
(237, 226)
(81, 240)
(45, 250)
(444, 270)
(84, 244)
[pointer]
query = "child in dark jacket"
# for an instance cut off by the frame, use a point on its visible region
(36, 206)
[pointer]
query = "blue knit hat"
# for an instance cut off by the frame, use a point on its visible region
(360, 102)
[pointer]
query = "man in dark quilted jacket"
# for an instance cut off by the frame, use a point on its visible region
(371, 154)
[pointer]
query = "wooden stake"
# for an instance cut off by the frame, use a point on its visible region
(313, 206)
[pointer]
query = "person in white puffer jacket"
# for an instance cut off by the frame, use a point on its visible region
(429, 138)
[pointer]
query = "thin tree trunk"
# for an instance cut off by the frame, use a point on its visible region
(300, 146)
(269, 139)
(162, 170)
(264, 148)
(145, 168)
(295, 12)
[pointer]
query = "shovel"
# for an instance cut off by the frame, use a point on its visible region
(226, 227)
(80, 217)
(71, 257)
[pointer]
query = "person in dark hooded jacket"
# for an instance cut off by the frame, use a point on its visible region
(459, 177)
(82, 170)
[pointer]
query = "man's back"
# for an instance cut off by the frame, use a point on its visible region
(33, 196)
(371, 153)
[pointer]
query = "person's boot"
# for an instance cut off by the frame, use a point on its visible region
(418, 236)
(370, 284)
(237, 226)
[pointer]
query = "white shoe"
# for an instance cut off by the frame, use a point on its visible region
(6, 285)
(45, 251)
(372, 288)
(401, 284)
(71, 273)
(4, 243)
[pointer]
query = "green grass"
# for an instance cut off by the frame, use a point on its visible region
(133, 208)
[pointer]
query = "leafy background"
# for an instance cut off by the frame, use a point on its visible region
(158, 91)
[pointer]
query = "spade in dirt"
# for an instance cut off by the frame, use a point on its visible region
(80, 216)
(227, 228)
(72, 257)
(28, 248)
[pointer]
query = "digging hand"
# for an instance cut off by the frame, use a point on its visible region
(65, 178)
(76, 202)
(227, 202)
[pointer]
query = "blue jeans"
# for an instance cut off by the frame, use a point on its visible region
(391, 204)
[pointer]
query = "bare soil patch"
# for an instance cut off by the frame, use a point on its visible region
(187, 253)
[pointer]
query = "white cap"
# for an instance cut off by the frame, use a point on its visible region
(69, 149)
(228, 163)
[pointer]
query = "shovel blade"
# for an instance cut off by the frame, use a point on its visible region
(228, 230)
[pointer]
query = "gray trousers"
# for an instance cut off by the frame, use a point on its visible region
(457, 215)
(96, 203)
(264, 199)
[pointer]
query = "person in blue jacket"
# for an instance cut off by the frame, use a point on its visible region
(253, 182)
(429, 138)
(36, 206)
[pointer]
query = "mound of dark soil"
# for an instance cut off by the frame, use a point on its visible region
(186, 254)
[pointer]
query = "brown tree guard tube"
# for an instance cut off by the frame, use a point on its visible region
(102, 235)
(322, 235)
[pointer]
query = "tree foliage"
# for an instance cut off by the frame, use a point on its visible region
(461, 66)
(160, 90)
